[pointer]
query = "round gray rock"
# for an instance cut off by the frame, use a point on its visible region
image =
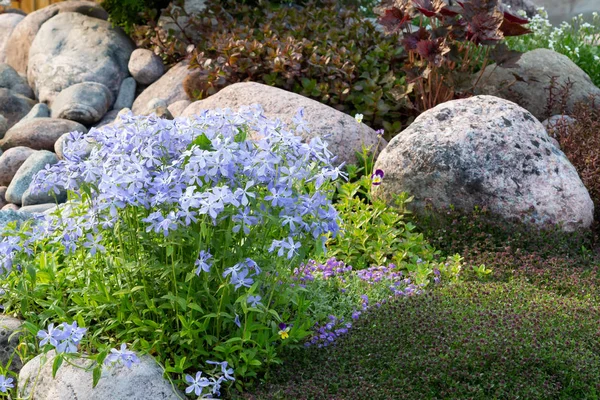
(72, 48)
(169, 88)
(85, 102)
(126, 94)
(10, 213)
(347, 135)
(39, 133)
(10, 162)
(14, 106)
(24, 176)
(142, 381)
(527, 85)
(3, 201)
(145, 66)
(177, 108)
(19, 42)
(488, 152)
(9, 340)
(34, 198)
(40, 110)
(10, 79)
(38, 208)
(8, 22)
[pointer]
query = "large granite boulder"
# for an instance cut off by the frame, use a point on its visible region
(85, 102)
(14, 106)
(169, 88)
(8, 22)
(142, 381)
(19, 42)
(39, 133)
(9, 340)
(10, 79)
(24, 176)
(343, 133)
(10, 162)
(488, 152)
(527, 85)
(71, 48)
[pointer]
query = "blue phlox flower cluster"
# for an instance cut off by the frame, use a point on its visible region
(206, 387)
(219, 166)
(6, 384)
(65, 337)
(326, 333)
(122, 355)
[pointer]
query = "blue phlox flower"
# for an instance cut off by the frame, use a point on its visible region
(125, 356)
(227, 372)
(5, 384)
(52, 335)
(236, 321)
(197, 384)
(93, 244)
(240, 279)
(202, 263)
(254, 301)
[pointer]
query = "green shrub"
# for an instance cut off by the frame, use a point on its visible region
(127, 13)
(579, 40)
(469, 340)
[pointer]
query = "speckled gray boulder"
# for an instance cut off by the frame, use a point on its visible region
(169, 88)
(24, 176)
(40, 110)
(534, 72)
(142, 381)
(347, 135)
(10, 79)
(8, 214)
(38, 208)
(126, 94)
(145, 66)
(488, 152)
(3, 201)
(10, 162)
(9, 340)
(8, 22)
(85, 102)
(14, 106)
(72, 48)
(39, 133)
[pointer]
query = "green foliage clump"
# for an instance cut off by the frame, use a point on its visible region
(326, 52)
(578, 40)
(469, 340)
(127, 13)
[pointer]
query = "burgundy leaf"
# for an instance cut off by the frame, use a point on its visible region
(393, 19)
(433, 50)
(508, 16)
(510, 28)
(410, 40)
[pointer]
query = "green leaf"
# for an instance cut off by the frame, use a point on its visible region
(96, 373)
(56, 364)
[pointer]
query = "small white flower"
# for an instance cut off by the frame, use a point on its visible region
(359, 118)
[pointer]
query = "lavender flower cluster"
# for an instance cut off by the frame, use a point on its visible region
(186, 170)
(65, 338)
(326, 333)
(209, 387)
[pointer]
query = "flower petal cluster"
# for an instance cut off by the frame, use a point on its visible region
(124, 356)
(199, 383)
(65, 338)
(5, 384)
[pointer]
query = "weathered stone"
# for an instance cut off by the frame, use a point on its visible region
(39, 133)
(10, 162)
(177, 108)
(40, 110)
(159, 108)
(169, 88)
(145, 66)
(72, 48)
(3, 201)
(85, 102)
(60, 143)
(38, 208)
(10, 213)
(9, 79)
(32, 197)
(14, 106)
(142, 381)
(488, 152)
(20, 40)
(126, 94)
(8, 22)
(9, 207)
(3, 126)
(9, 340)
(109, 118)
(24, 176)
(347, 135)
(527, 85)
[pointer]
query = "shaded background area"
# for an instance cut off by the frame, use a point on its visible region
(564, 10)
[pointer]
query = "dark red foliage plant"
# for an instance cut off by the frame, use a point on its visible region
(447, 44)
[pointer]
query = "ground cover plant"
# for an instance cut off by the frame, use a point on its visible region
(467, 340)
(579, 40)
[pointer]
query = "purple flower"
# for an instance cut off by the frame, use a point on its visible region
(227, 372)
(51, 336)
(240, 279)
(123, 355)
(5, 384)
(93, 244)
(201, 262)
(197, 384)
(237, 321)
(254, 301)
(356, 314)
(377, 177)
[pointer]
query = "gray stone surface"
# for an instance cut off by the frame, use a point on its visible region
(108, 118)
(10, 162)
(169, 88)
(126, 94)
(10, 79)
(72, 48)
(3, 201)
(40, 110)
(8, 22)
(488, 152)
(9, 214)
(9, 340)
(142, 381)
(178, 107)
(39, 133)
(85, 102)
(528, 84)
(145, 66)
(19, 42)
(24, 176)
(347, 135)
(38, 208)
(10, 207)
(14, 106)
(32, 198)
(60, 143)
(3, 126)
